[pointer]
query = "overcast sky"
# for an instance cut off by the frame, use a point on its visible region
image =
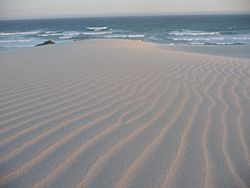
(14, 9)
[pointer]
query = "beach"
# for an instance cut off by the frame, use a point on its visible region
(124, 114)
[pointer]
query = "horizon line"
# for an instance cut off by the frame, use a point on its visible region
(129, 15)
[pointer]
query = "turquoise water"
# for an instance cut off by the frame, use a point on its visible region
(171, 30)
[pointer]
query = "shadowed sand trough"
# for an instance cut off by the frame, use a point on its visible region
(117, 113)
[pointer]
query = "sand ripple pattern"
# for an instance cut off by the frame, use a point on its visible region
(123, 114)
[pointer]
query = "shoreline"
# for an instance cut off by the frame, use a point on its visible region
(234, 51)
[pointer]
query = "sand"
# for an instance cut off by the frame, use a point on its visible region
(118, 113)
(239, 51)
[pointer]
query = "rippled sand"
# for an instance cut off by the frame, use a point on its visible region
(117, 113)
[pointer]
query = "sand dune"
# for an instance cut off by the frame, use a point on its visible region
(120, 113)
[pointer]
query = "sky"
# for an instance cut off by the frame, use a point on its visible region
(18, 9)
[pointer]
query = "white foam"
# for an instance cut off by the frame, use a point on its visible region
(97, 28)
(224, 43)
(126, 36)
(71, 33)
(63, 35)
(96, 33)
(198, 39)
(66, 37)
(192, 33)
(241, 38)
(20, 33)
(14, 41)
(50, 34)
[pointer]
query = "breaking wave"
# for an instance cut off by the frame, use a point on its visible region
(97, 28)
(192, 33)
(97, 33)
(19, 33)
(126, 36)
(14, 41)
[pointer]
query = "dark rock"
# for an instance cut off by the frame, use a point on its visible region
(46, 43)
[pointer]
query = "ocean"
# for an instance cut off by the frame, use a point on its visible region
(169, 30)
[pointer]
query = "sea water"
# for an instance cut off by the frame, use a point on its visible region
(169, 30)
